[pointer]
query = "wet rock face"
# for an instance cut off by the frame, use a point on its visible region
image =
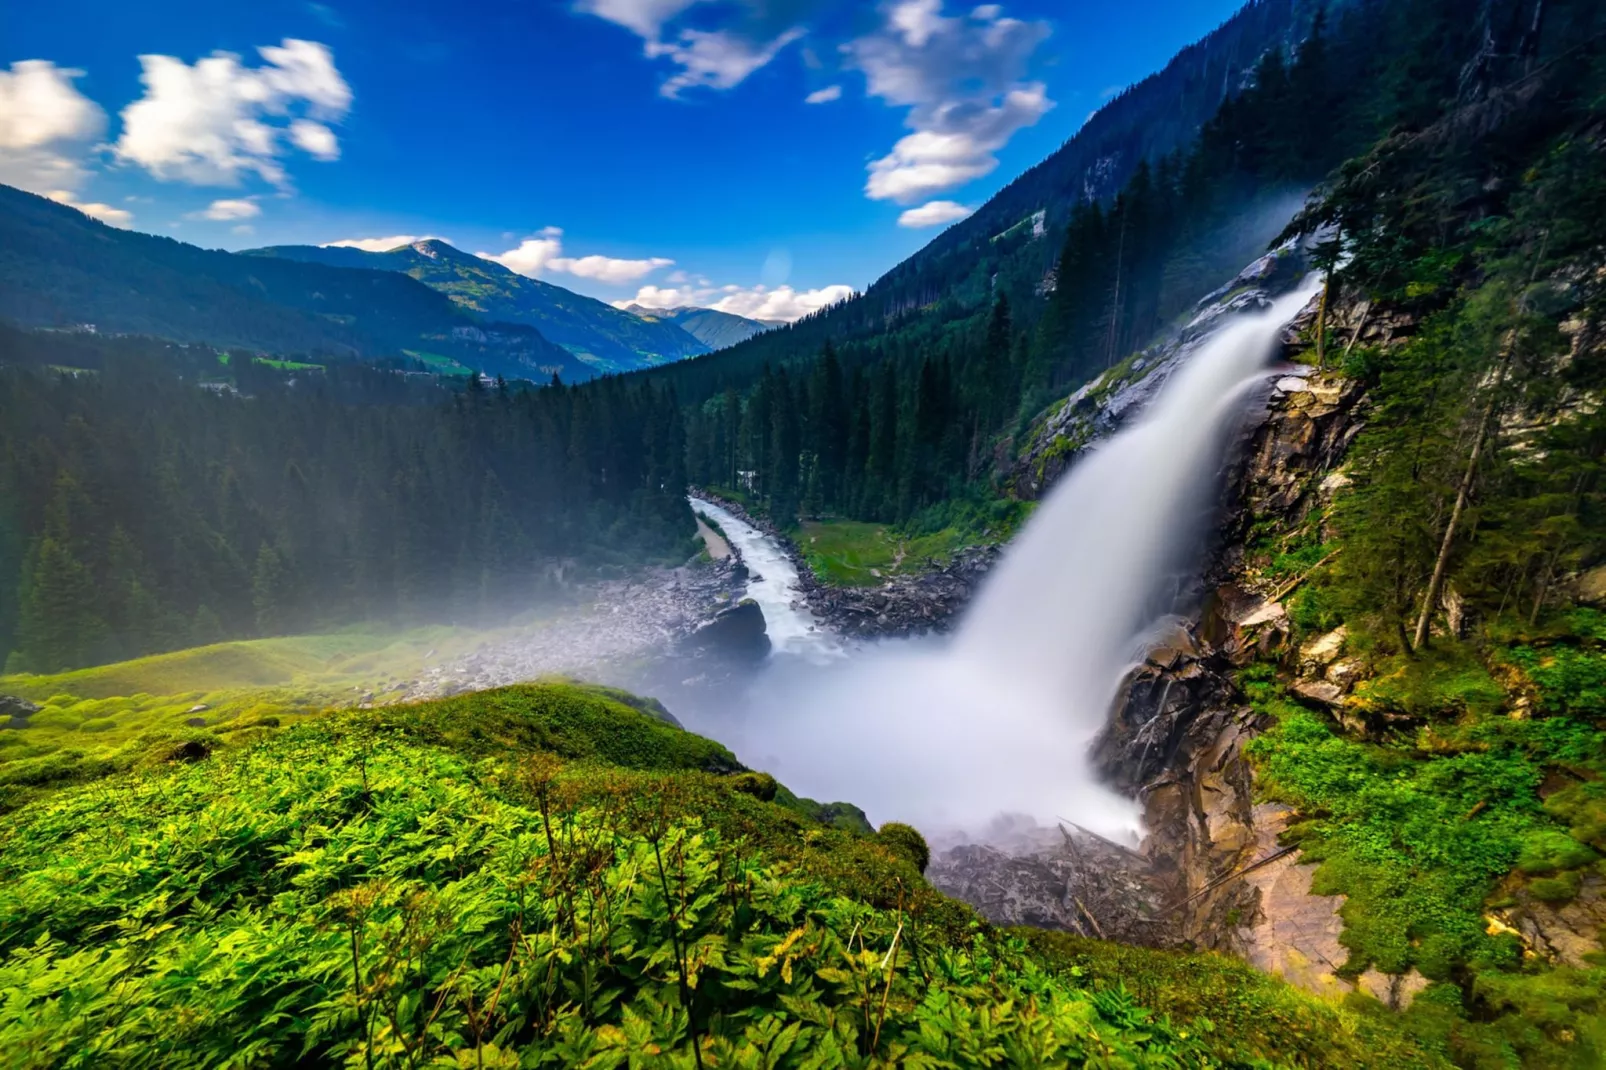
(1101, 407)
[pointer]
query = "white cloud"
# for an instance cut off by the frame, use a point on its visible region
(222, 210)
(782, 302)
(644, 18)
(531, 256)
(544, 252)
(217, 121)
(708, 56)
(716, 59)
(383, 245)
(963, 83)
(47, 127)
(117, 217)
(314, 139)
(243, 228)
(609, 269)
(934, 214)
(824, 96)
(758, 302)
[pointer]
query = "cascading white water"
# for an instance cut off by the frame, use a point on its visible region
(951, 734)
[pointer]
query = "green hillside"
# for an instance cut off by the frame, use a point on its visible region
(549, 876)
(603, 337)
(59, 268)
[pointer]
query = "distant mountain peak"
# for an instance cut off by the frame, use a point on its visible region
(710, 326)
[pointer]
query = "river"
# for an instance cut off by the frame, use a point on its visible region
(773, 584)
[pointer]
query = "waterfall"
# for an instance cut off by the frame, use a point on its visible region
(948, 734)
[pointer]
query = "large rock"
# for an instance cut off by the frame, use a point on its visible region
(15, 712)
(735, 634)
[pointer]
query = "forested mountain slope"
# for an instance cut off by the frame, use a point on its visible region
(1004, 245)
(59, 268)
(906, 412)
(607, 339)
(153, 499)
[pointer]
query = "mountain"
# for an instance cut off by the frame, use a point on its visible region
(605, 338)
(59, 268)
(1012, 243)
(709, 326)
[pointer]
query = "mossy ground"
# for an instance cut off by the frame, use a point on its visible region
(1475, 786)
(851, 553)
(548, 875)
(104, 718)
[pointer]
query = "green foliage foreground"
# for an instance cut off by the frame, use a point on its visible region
(544, 876)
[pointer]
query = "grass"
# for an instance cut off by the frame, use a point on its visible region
(437, 363)
(289, 365)
(108, 717)
(852, 553)
(549, 875)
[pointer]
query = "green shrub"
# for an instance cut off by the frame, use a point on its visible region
(906, 842)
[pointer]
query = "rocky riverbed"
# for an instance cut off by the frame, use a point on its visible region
(617, 630)
(916, 604)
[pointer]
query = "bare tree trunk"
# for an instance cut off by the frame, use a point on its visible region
(1441, 565)
(1115, 301)
(1321, 324)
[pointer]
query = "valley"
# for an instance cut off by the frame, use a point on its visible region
(1160, 623)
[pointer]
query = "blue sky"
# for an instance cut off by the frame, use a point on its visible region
(660, 149)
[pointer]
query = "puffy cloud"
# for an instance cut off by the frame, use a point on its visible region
(314, 139)
(217, 121)
(607, 268)
(824, 96)
(222, 210)
(734, 41)
(532, 255)
(117, 217)
(662, 297)
(962, 80)
(780, 303)
(47, 127)
(544, 252)
(383, 245)
(934, 214)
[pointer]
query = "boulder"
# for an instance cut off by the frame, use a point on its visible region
(737, 633)
(14, 712)
(1592, 586)
(1322, 651)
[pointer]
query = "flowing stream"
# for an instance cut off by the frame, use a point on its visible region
(951, 733)
(773, 584)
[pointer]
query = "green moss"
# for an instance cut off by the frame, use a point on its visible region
(1441, 682)
(1548, 850)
